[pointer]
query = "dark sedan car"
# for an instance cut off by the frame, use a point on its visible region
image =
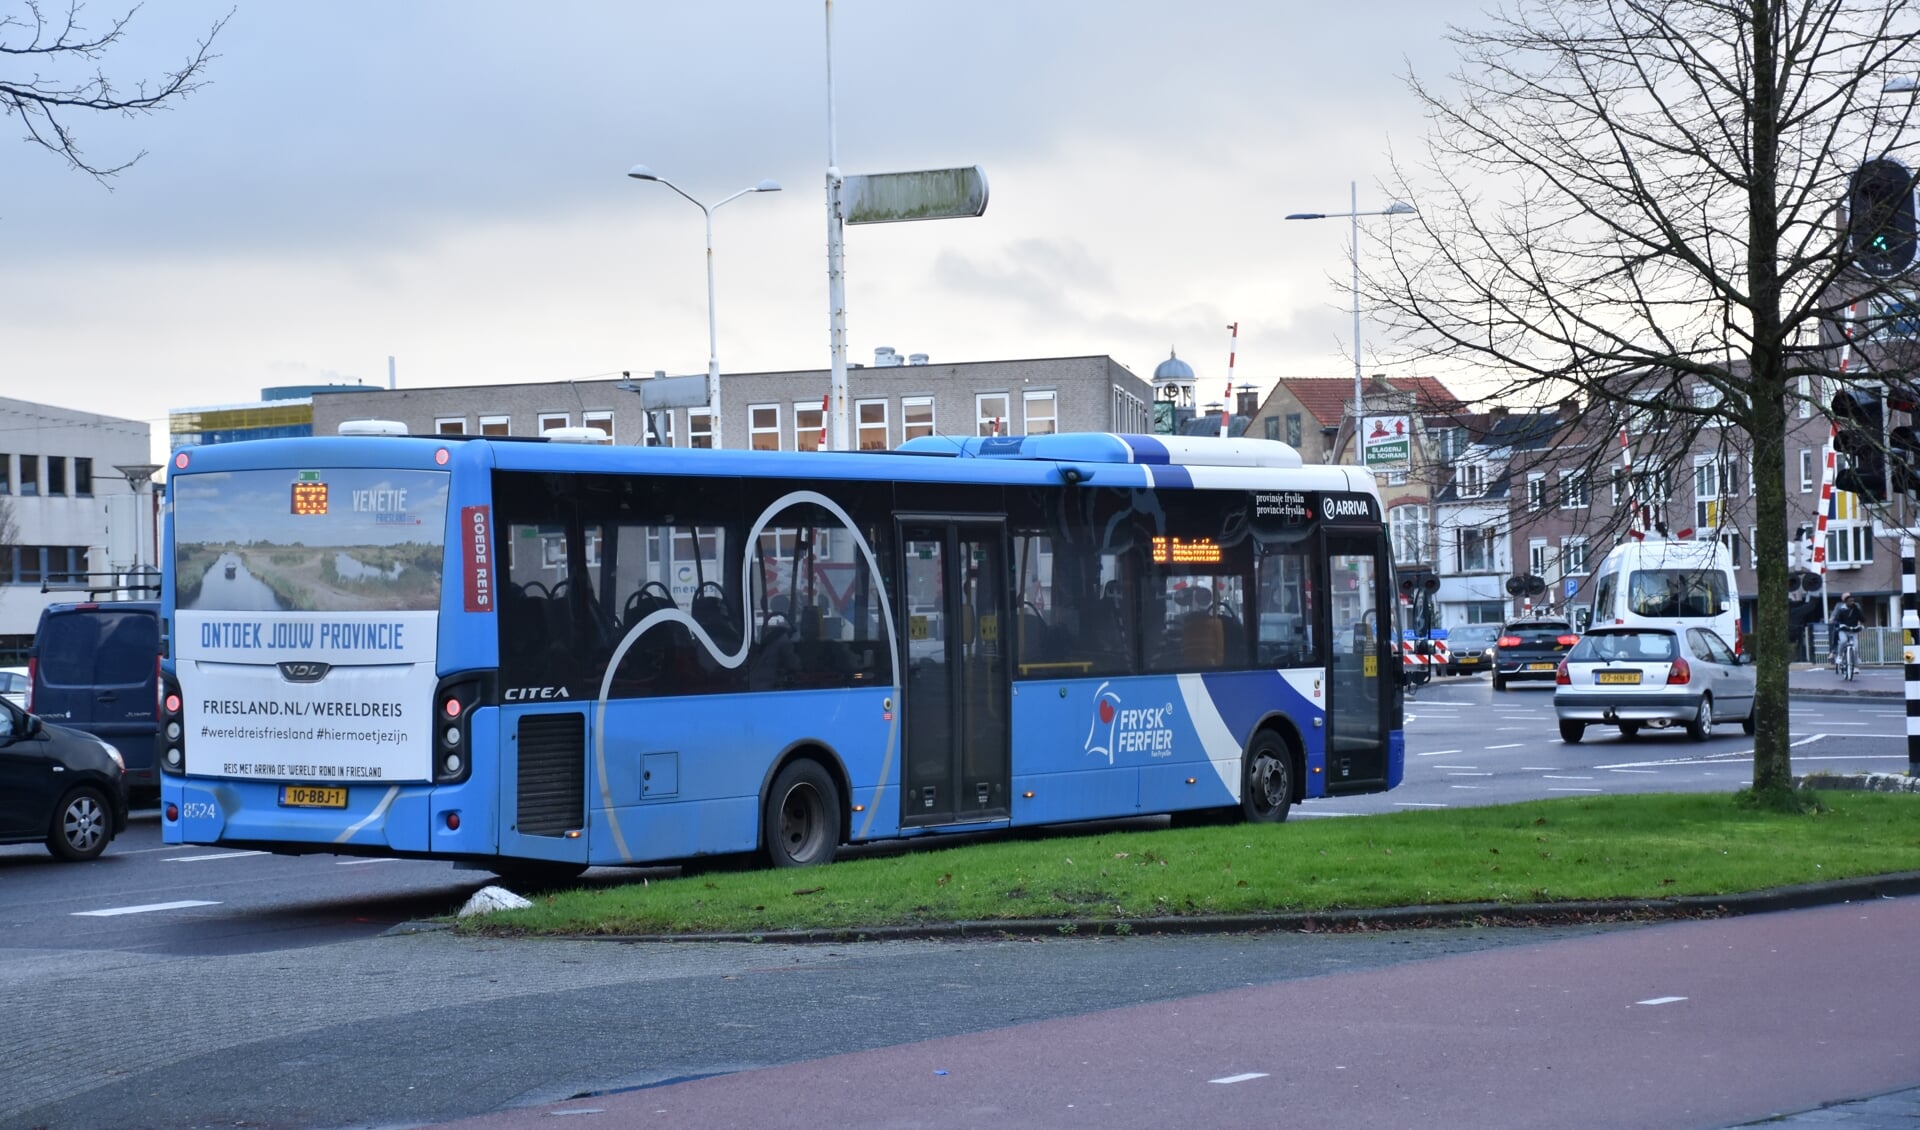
(1531, 649)
(1470, 648)
(59, 787)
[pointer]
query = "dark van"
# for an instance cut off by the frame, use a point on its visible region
(94, 667)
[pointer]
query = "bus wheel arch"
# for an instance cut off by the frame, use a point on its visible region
(1270, 773)
(803, 809)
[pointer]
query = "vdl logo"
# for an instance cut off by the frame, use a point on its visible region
(1120, 729)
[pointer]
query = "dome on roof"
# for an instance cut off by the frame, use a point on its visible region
(1173, 369)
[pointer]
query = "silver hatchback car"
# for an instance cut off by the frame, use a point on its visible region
(1641, 677)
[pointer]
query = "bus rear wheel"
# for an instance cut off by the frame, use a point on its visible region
(802, 817)
(1267, 790)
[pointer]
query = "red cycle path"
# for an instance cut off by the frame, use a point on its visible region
(1705, 1023)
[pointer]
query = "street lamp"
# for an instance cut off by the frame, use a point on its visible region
(1397, 208)
(641, 172)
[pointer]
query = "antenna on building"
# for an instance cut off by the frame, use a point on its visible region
(392, 381)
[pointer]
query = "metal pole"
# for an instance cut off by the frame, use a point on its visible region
(1353, 211)
(1909, 625)
(836, 267)
(713, 339)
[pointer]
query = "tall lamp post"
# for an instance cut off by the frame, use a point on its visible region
(641, 172)
(1396, 208)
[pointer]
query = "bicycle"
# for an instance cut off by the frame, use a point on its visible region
(1846, 653)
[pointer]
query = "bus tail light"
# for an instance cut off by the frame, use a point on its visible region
(171, 741)
(453, 703)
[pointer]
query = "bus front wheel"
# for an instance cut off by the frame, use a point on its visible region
(1267, 792)
(802, 818)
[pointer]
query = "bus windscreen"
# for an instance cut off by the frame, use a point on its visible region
(310, 540)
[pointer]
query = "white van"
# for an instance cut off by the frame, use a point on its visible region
(1668, 583)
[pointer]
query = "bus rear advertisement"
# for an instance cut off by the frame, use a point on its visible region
(538, 656)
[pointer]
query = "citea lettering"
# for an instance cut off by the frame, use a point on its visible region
(535, 694)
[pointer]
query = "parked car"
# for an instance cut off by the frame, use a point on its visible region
(1639, 677)
(1531, 649)
(58, 786)
(95, 668)
(1470, 648)
(13, 685)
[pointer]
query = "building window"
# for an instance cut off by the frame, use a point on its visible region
(6, 473)
(1470, 480)
(1043, 413)
(1536, 491)
(601, 421)
(1295, 428)
(1409, 526)
(1713, 479)
(57, 475)
(990, 411)
(659, 427)
(763, 426)
(700, 427)
(809, 420)
(870, 425)
(450, 425)
(1272, 425)
(496, 425)
(82, 476)
(1850, 545)
(916, 417)
(1477, 551)
(29, 475)
(1573, 556)
(1538, 559)
(1806, 471)
(1573, 490)
(553, 420)
(1736, 548)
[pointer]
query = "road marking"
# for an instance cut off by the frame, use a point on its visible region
(216, 855)
(1654, 772)
(1565, 789)
(1469, 774)
(358, 862)
(1804, 741)
(1552, 777)
(1661, 1000)
(1240, 1078)
(1456, 767)
(1510, 745)
(1437, 753)
(1463, 786)
(147, 909)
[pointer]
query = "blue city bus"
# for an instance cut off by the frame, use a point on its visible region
(538, 656)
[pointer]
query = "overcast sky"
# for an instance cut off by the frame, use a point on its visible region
(444, 183)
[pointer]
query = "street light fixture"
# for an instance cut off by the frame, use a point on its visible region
(641, 172)
(1396, 208)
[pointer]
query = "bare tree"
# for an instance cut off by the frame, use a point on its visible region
(59, 73)
(1641, 203)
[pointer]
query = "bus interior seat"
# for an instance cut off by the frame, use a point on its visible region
(710, 611)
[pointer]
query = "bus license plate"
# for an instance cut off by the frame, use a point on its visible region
(1629, 678)
(312, 796)
(1539, 666)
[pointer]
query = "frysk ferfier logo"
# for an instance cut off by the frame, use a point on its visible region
(1121, 729)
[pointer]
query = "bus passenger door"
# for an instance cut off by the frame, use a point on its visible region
(956, 691)
(1365, 659)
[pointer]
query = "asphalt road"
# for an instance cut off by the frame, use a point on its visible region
(169, 986)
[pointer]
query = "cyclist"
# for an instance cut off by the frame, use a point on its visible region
(1846, 618)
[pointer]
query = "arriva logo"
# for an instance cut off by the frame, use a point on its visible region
(1120, 729)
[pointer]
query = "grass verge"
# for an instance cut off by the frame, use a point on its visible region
(1616, 847)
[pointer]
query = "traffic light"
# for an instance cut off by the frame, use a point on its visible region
(1903, 459)
(1858, 422)
(1880, 217)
